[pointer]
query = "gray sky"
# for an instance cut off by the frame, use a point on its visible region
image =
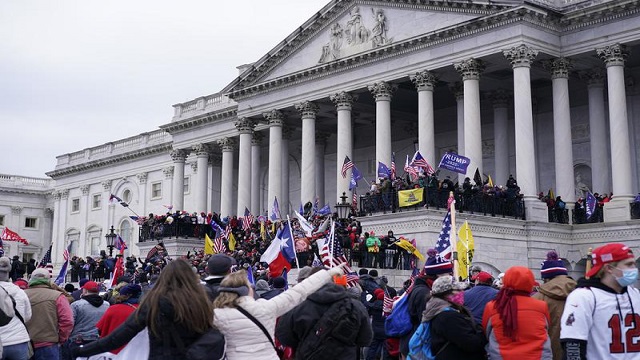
(77, 74)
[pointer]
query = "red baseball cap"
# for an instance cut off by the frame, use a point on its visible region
(608, 254)
(483, 276)
(91, 286)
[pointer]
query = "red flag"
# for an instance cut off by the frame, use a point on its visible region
(118, 271)
(9, 235)
(278, 265)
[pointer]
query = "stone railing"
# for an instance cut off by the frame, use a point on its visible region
(25, 182)
(201, 105)
(113, 148)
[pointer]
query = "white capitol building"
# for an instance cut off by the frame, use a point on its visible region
(542, 89)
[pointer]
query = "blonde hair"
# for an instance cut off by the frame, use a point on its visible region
(229, 299)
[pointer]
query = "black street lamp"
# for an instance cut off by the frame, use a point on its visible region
(111, 238)
(343, 208)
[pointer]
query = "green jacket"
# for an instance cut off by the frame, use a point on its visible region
(373, 241)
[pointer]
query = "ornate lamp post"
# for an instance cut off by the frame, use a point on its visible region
(343, 207)
(111, 237)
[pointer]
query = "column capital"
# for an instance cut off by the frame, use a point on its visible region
(469, 69)
(106, 185)
(424, 80)
(613, 55)
(16, 210)
(201, 150)
(343, 100)
(558, 67)
(56, 195)
(64, 194)
(168, 172)
(194, 166)
(178, 155)
(274, 117)
(256, 139)
(48, 212)
(215, 159)
(500, 98)
(457, 90)
(245, 125)
(227, 144)
(307, 109)
(594, 78)
(84, 189)
(382, 90)
(287, 131)
(520, 56)
(142, 177)
(321, 138)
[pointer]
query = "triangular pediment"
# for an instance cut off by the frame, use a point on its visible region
(343, 29)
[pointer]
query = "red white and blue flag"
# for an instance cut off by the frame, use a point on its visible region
(443, 245)
(348, 164)
(419, 161)
(247, 220)
(46, 259)
(120, 244)
(63, 271)
(412, 171)
(393, 166)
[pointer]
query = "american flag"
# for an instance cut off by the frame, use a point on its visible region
(113, 197)
(46, 259)
(354, 201)
(332, 255)
(218, 246)
(443, 245)
(247, 220)
(65, 253)
(410, 169)
(227, 231)
(348, 164)
(420, 162)
(120, 244)
(393, 166)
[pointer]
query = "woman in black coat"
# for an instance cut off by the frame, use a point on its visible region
(374, 307)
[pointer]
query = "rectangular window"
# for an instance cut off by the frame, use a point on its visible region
(186, 185)
(75, 205)
(31, 223)
(96, 201)
(1, 220)
(156, 190)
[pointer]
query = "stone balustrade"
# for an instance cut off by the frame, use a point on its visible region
(201, 105)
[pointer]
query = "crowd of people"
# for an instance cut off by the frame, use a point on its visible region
(227, 312)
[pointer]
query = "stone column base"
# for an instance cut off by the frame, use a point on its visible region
(536, 210)
(617, 210)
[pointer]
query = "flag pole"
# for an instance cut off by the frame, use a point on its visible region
(453, 234)
(293, 241)
(331, 239)
(468, 262)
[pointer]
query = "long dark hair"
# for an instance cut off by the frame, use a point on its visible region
(179, 285)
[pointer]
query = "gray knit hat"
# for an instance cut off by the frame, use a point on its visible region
(304, 273)
(5, 268)
(445, 284)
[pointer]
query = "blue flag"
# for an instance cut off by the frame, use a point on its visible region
(356, 174)
(252, 281)
(591, 204)
(286, 279)
(383, 171)
(326, 210)
(216, 228)
(275, 210)
(63, 271)
(301, 209)
(353, 183)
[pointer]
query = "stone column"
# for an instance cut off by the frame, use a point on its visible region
(284, 201)
(614, 57)
(500, 100)
(321, 143)
(167, 185)
(215, 159)
(107, 208)
(344, 104)
(178, 156)
(55, 233)
(521, 57)
(62, 221)
(226, 185)
(245, 128)
(382, 93)
(308, 111)
(424, 82)
(563, 145)
(13, 248)
(202, 178)
(256, 142)
(276, 121)
(600, 174)
(470, 71)
(142, 182)
(458, 92)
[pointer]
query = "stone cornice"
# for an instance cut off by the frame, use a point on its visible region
(110, 161)
(200, 121)
(25, 191)
(579, 18)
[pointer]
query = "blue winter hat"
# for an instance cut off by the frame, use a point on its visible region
(436, 264)
(553, 266)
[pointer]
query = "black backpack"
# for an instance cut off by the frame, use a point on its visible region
(336, 329)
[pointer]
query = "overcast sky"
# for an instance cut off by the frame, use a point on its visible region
(77, 74)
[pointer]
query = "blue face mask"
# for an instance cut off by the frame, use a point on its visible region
(629, 276)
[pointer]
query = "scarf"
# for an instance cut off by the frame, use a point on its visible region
(507, 307)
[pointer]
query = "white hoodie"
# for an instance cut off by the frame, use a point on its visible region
(15, 332)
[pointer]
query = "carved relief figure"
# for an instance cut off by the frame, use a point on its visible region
(379, 31)
(581, 188)
(356, 32)
(331, 51)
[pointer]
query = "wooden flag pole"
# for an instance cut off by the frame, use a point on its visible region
(588, 265)
(453, 234)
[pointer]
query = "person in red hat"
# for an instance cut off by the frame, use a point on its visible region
(601, 319)
(476, 298)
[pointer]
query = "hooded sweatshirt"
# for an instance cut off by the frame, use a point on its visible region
(554, 292)
(86, 313)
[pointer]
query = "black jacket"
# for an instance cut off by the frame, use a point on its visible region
(377, 319)
(211, 287)
(463, 338)
(293, 326)
(160, 348)
(417, 301)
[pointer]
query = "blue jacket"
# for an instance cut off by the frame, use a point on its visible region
(476, 298)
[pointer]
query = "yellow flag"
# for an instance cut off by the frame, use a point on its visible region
(208, 245)
(410, 197)
(405, 244)
(232, 242)
(263, 232)
(490, 181)
(465, 248)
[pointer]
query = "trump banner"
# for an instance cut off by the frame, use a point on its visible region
(454, 162)
(410, 197)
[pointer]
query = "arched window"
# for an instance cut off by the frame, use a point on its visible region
(94, 238)
(73, 237)
(126, 232)
(126, 196)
